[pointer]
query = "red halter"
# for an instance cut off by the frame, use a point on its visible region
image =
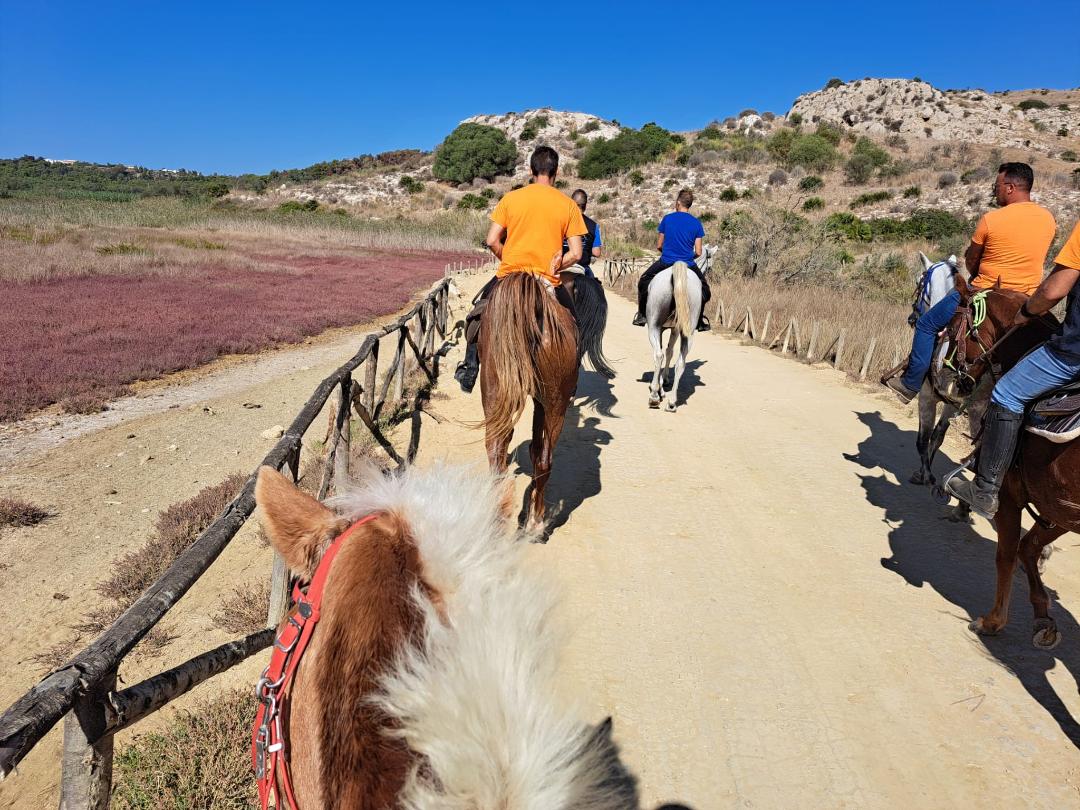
(268, 751)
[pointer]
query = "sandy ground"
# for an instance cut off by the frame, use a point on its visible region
(771, 614)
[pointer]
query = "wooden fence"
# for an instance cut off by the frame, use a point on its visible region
(83, 691)
(802, 341)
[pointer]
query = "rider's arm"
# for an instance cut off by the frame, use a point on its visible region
(973, 258)
(573, 255)
(1054, 287)
(660, 243)
(495, 239)
(697, 247)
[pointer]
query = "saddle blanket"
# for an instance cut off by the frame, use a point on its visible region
(1057, 417)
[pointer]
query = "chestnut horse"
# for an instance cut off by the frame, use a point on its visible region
(431, 679)
(1044, 475)
(528, 348)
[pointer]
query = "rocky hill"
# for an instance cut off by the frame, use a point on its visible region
(913, 108)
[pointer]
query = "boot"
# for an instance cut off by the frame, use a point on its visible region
(1001, 432)
(639, 316)
(639, 319)
(467, 369)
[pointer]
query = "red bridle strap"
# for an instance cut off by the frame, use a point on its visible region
(268, 750)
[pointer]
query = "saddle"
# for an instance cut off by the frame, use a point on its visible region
(1056, 416)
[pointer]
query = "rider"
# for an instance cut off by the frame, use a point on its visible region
(1050, 366)
(527, 230)
(679, 241)
(592, 243)
(1009, 247)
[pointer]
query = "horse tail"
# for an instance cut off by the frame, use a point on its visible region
(591, 306)
(679, 277)
(522, 322)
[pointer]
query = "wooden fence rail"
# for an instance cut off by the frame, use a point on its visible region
(83, 689)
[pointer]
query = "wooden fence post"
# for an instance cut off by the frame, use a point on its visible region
(399, 367)
(341, 457)
(787, 336)
(795, 334)
(867, 358)
(748, 329)
(839, 349)
(371, 378)
(814, 332)
(86, 772)
(765, 329)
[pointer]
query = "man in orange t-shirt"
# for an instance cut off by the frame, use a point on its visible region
(1008, 248)
(1052, 365)
(528, 228)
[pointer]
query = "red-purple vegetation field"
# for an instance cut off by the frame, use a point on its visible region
(83, 338)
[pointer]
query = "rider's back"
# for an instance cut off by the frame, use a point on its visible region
(1015, 240)
(537, 218)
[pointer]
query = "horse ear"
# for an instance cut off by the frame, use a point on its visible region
(926, 263)
(962, 287)
(298, 525)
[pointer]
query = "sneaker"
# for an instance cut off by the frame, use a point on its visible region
(903, 393)
(639, 319)
(466, 376)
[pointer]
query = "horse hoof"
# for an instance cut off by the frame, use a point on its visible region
(654, 403)
(917, 478)
(1044, 555)
(980, 628)
(669, 407)
(1046, 635)
(941, 495)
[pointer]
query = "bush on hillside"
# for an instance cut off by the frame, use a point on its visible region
(830, 132)
(926, 223)
(1032, 104)
(472, 202)
(630, 148)
(811, 183)
(866, 158)
(295, 206)
(1070, 156)
(779, 145)
(729, 195)
(870, 198)
(946, 180)
(533, 126)
(636, 178)
(474, 150)
(813, 204)
(794, 119)
(410, 184)
(831, 83)
(778, 177)
(912, 192)
(813, 152)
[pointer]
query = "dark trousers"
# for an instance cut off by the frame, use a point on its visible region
(659, 266)
(472, 326)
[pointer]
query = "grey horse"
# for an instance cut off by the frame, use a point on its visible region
(673, 302)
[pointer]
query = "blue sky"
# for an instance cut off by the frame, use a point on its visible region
(251, 86)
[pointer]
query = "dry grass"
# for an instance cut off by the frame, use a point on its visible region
(56, 655)
(244, 611)
(174, 531)
(200, 761)
(17, 512)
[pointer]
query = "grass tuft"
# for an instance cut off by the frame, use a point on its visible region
(17, 512)
(244, 611)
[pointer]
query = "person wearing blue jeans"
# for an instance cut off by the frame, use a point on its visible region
(928, 326)
(1052, 365)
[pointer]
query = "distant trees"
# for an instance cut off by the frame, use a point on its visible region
(474, 150)
(630, 148)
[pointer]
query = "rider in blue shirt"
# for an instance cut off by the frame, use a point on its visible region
(681, 234)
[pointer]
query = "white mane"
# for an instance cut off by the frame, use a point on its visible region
(480, 699)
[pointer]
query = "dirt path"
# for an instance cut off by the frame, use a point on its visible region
(772, 616)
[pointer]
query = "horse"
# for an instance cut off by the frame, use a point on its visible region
(673, 302)
(529, 348)
(1044, 477)
(431, 679)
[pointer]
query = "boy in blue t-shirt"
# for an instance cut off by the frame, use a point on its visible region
(680, 239)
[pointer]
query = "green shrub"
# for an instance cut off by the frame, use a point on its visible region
(487, 193)
(912, 192)
(859, 169)
(603, 198)
(472, 202)
(811, 183)
(410, 184)
(927, 223)
(217, 189)
(794, 119)
(533, 126)
(120, 249)
(831, 83)
(1063, 132)
(746, 195)
(1033, 104)
(636, 178)
(296, 207)
(474, 150)
(706, 216)
(813, 204)
(669, 183)
(946, 179)
(606, 158)
(870, 198)
(813, 153)
(729, 194)
(591, 126)
(779, 145)
(1070, 155)
(976, 175)
(866, 158)
(830, 132)
(650, 224)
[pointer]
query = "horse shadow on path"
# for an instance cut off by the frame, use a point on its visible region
(958, 563)
(575, 470)
(689, 383)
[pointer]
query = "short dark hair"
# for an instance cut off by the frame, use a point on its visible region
(581, 196)
(1019, 174)
(544, 161)
(685, 198)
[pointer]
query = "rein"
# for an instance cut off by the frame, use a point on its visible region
(269, 754)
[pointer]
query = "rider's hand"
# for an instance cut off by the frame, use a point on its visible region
(1020, 318)
(556, 263)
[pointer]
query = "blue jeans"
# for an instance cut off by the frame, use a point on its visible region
(926, 331)
(1038, 373)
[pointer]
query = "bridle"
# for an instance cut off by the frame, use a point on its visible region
(269, 752)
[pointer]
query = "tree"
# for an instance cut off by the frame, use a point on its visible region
(474, 150)
(813, 153)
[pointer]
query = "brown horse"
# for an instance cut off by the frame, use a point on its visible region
(528, 348)
(431, 679)
(1044, 475)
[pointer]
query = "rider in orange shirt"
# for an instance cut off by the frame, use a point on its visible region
(528, 228)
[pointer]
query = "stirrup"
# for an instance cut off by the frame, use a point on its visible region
(941, 491)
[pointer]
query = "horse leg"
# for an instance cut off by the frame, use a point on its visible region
(547, 426)
(1045, 635)
(668, 353)
(680, 366)
(1007, 522)
(927, 415)
(656, 339)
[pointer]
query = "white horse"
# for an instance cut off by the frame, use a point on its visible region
(673, 302)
